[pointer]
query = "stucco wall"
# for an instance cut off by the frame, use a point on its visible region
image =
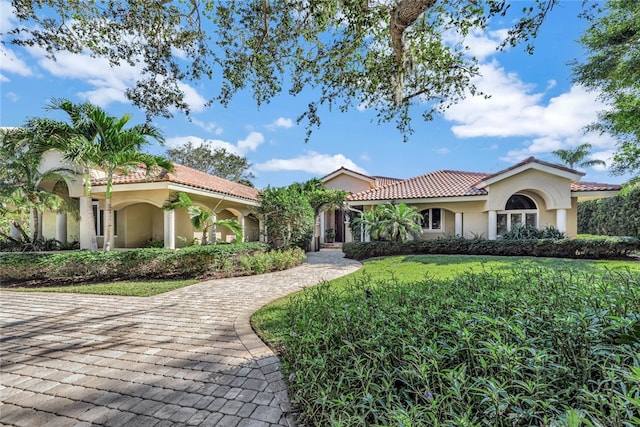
(347, 183)
(555, 190)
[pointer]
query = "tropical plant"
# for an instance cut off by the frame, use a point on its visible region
(103, 142)
(392, 222)
(202, 218)
(321, 199)
(574, 157)
(21, 151)
(287, 216)
(612, 69)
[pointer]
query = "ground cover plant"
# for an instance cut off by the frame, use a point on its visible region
(194, 262)
(508, 342)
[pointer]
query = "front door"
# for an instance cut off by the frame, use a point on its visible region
(339, 226)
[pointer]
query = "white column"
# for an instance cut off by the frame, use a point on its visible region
(213, 230)
(561, 220)
(61, 227)
(85, 225)
(242, 224)
(493, 225)
(348, 236)
(322, 220)
(262, 230)
(170, 229)
(458, 221)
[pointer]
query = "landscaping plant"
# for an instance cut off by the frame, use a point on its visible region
(534, 346)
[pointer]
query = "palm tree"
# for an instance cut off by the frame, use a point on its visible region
(398, 222)
(574, 157)
(202, 218)
(101, 141)
(21, 152)
(390, 222)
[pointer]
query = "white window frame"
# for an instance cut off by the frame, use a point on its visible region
(429, 229)
(98, 215)
(522, 212)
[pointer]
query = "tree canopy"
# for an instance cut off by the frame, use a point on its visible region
(386, 54)
(613, 69)
(218, 162)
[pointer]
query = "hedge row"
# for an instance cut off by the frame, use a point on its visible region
(600, 248)
(18, 269)
(615, 216)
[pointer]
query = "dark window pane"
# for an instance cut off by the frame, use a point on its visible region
(502, 223)
(519, 202)
(531, 220)
(435, 219)
(425, 218)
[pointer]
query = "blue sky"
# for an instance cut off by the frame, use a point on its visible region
(534, 109)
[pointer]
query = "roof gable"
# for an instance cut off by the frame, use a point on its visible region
(344, 171)
(531, 163)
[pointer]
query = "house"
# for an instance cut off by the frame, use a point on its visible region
(137, 203)
(468, 204)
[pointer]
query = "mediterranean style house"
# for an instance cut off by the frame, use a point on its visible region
(137, 202)
(468, 204)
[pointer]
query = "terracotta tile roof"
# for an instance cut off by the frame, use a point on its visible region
(189, 177)
(381, 181)
(444, 183)
(594, 186)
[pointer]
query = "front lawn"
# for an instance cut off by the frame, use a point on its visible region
(464, 340)
(134, 289)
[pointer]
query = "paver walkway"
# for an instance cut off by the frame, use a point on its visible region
(186, 357)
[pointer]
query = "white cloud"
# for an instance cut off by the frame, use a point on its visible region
(311, 162)
(280, 122)
(211, 127)
(251, 142)
(109, 82)
(479, 44)
(442, 150)
(10, 63)
(517, 109)
(241, 147)
(13, 97)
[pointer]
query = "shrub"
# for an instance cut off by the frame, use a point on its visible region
(600, 248)
(148, 263)
(615, 216)
(535, 346)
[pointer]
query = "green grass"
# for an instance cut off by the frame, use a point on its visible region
(270, 321)
(133, 289)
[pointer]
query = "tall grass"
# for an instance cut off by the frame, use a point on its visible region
(533, 346)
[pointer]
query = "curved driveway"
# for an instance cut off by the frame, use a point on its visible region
(186, 357)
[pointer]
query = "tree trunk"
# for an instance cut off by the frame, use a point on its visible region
(36, 224)
(106, 245)
(402, 17)
(91, 220)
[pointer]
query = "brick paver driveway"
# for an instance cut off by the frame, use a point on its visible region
(187, 357)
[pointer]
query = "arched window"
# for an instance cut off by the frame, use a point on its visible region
(519, 210)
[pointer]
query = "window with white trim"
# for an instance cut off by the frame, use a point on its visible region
(432, 219)
(519, 210)
(98, 220)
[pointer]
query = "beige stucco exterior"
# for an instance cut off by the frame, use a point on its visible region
(548, 186)
(141, 218)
